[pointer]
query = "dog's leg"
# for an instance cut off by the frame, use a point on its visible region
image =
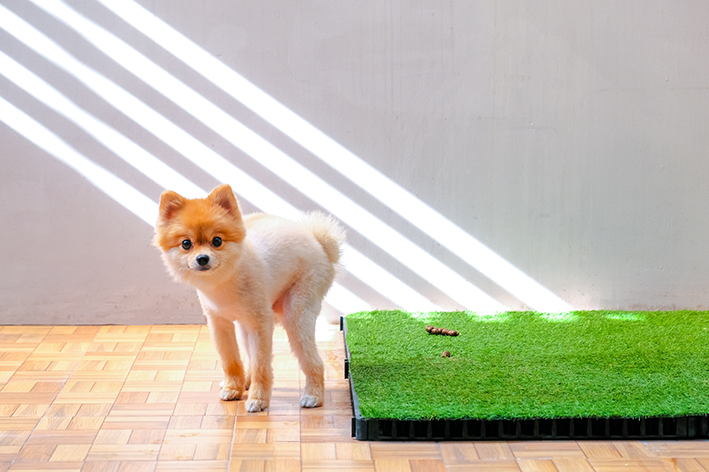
(224, 340)
(260, 340)
(242, 335)
(300, 327)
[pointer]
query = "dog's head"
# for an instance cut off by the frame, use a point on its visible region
(200, 238)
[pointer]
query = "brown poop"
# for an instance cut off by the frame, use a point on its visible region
(446, 332)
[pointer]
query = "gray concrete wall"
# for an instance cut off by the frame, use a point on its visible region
(569, 138)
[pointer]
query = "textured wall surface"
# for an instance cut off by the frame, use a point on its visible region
(569, 138)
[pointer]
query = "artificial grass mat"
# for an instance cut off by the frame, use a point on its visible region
(521, 365)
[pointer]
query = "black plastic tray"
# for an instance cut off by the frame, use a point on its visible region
(385, 429)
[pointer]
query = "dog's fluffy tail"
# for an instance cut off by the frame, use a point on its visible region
(328, 231)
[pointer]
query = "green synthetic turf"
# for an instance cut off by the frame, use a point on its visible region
(519, 365)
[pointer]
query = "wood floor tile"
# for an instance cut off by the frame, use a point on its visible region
(335, 465)
(395, 451)
(689, 465)
(494, 451)
(420, 465)
(534, 449)
(198, 436)
(392, 465)
(359, 451)
(177, 452)
(318, 452)
(250, 436)
(486, 466)
(62, 436)
(195, 466)
(136, 422)
(599, 450)
(70, 453)
(572, 464)
(123, 452)
(696, 449)
(633, 465)
(36, 453)
(47, 466)
(9, 453)
(137, 466)
(113, 436)
(536, 465)
(283, 435)
(142, 409)
(458, 453)
(86, 422)
(638, 449)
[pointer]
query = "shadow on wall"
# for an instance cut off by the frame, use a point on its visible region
(148, 96)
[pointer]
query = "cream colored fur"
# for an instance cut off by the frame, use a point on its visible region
(279, 272)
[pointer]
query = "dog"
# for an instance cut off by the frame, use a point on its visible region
(251, 272)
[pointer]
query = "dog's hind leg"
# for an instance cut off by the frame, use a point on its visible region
(299, 319)
(224, 340)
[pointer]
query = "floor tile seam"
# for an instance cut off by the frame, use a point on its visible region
(231, 439)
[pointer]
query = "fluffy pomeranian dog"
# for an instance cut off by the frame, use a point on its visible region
(250, 272)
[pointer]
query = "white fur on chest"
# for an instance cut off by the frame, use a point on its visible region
(220, 304)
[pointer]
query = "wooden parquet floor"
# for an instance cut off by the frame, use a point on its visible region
(144, 399)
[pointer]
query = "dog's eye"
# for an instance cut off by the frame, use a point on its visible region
(216, 242)
(186, 244)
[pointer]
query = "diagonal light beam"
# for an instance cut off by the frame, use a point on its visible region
(418, 213)
(133, 200)
(121, 146)
(419, 261)
(156, 170)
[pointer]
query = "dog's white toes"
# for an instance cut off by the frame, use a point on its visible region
(254, 406)
(229, 394)
(310, 401)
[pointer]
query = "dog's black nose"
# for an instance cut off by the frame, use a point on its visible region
(203, 260)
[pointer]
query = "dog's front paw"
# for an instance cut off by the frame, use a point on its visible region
(229, 394)
(310, 401)
(256, 405)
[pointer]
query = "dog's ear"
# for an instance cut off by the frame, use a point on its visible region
(170, 204)
(223, 196)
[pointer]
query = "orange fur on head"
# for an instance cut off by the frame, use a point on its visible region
(199, 219)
